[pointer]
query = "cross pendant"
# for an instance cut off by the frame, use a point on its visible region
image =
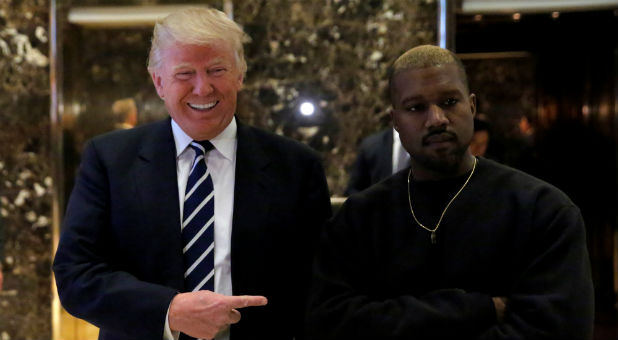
(433, 237)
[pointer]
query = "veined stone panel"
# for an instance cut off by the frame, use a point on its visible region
(334, 54)
(25, 185)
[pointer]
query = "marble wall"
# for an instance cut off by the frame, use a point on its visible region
(25, 177)
(334, 54)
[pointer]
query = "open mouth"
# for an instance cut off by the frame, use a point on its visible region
(203, 107)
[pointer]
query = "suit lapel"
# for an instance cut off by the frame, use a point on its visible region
(155, 177)
(386, 161)
(251, 200)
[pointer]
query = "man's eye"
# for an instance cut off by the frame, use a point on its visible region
(184, 75)
(450, 101)
(416, 107)
(217, 71)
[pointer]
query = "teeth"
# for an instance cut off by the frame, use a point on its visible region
(202, 106)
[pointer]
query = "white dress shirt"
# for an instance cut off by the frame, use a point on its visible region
(401, 158)
(221, 161)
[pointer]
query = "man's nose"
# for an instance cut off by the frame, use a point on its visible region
(436, 116)
(202, 85)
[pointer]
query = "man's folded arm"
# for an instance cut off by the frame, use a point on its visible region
(554, 297)
(339, 308)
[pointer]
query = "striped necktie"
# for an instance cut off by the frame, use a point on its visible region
(198, 223)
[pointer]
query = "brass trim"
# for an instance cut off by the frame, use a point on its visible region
(494, 55)
(55, 112)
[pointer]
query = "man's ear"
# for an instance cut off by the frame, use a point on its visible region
(240, 81)
(156, 80)
(473, 103)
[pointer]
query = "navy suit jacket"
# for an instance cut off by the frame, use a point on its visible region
(374, 161)
(119, 260)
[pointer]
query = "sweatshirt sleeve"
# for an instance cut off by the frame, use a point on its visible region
(553, 297)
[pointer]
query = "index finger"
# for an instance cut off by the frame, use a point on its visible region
(242, 301)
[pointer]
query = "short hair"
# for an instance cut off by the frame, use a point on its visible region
(199, 26)
(425, 56)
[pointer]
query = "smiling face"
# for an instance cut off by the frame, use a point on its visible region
(433, 112)
(199, 85)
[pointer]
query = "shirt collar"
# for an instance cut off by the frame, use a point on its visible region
(224, 143)
(396, 140)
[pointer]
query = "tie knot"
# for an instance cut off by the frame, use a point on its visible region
(201, 147)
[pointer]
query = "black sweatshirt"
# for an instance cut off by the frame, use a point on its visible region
(378, 275)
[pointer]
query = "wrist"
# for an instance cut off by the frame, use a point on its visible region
(172, 312)
(500, 304)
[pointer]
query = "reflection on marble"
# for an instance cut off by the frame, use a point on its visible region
(25, 186)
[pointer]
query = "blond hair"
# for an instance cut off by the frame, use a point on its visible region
(426, 56)
(197, 26)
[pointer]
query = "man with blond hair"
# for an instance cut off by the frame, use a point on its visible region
(176, 228)
(457, 246)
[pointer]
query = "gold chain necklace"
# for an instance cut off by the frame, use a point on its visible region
(433, 231)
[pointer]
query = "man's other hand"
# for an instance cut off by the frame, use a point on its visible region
(500, 303)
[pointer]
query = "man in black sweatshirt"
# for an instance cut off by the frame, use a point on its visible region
(457, 246)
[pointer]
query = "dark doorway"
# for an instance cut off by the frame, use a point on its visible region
(547, 82)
